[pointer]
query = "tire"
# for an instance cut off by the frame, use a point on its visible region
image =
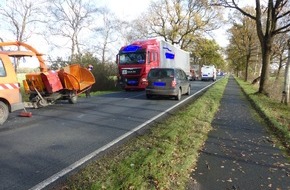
(148, 96)
(188, 91)
(42, 103)
(178, 96)
(4, 112)
(73, 99)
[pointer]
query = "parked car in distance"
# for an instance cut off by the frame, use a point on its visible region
(171, 82)
(193, 75)
(194, 72)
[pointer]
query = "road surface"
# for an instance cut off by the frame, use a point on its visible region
(36, 151)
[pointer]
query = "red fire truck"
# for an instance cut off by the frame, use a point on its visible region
(135, 61)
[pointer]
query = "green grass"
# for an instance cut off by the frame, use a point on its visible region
(274, 112)
(162, 158)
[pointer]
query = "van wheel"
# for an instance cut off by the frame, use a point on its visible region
(4, 112)
(178, 97)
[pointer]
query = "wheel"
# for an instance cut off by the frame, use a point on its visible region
(42, 103)
(73, 99)
(148, 96)
(4, 112)
(188, 91)
(178, 97)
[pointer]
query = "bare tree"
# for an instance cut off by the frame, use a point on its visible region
(243, 36)
(107, 33)
(271, 20)
(286, 91)
(21, 17)
(279, 56)
(135, 30)
(179, 21)
(69, 19)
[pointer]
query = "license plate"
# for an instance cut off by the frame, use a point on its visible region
(132, 82)
(159, 84)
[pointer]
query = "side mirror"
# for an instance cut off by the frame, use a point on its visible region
(117, 59)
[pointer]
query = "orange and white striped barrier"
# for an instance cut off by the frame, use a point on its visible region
(9, 86)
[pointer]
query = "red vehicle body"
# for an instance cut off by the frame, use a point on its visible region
(135, 61)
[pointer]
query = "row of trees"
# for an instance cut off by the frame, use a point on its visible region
(83, 27)
(63, 24)
(259, 31)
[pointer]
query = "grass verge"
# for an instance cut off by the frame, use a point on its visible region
(276, 114)
(162, 158)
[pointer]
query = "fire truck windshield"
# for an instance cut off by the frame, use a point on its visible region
(132, 58)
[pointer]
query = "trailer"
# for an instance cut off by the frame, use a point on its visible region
(44, 87)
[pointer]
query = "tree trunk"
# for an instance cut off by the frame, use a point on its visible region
(247, 67)
(286, 91)
(279, 68)
(266, 54)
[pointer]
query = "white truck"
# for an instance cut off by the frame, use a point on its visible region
(208, 72)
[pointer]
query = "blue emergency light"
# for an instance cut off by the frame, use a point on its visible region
(131, 48)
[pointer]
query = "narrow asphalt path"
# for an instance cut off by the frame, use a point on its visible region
(239, 153)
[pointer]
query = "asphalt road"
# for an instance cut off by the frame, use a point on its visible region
(36, 150)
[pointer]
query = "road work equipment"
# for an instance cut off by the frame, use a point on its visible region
(44, 87)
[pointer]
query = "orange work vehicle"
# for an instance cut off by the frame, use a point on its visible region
(10, 96)
(44, 87)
